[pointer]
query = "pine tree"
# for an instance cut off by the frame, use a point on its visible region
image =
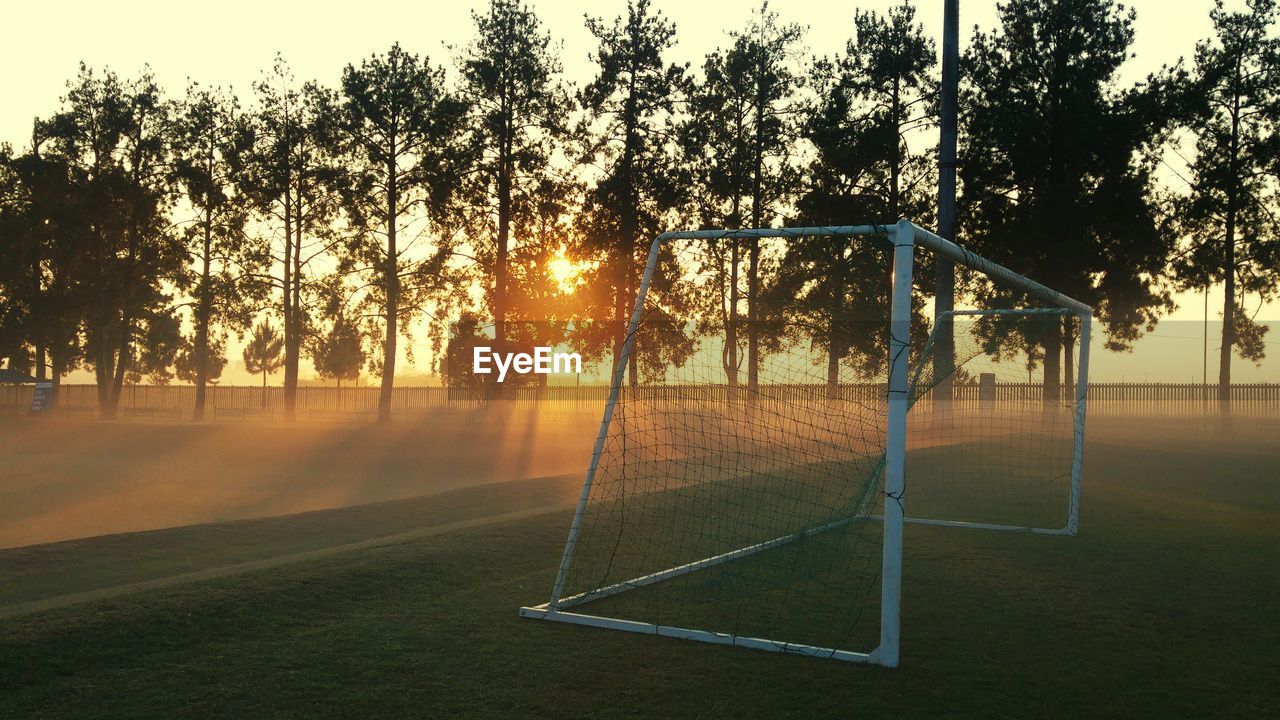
(738, 143)
(1233, 238)
(292, 182)
(263, 353)
(401, 129)
(630, 105)
(339, 353)
(1055, 168)
(211, 139)
(866, 103)
(518, 115)
(112, 136)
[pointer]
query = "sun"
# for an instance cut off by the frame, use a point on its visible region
(565, 273)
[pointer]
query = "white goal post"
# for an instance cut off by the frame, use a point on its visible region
(890, 468)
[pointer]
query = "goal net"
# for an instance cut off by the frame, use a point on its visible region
(755, 465)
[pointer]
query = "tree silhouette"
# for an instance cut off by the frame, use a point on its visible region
(187, 367)
(42, 238)
(1056, 179)
(112, 135)
(137, 235)
(212, 140)
(1234, 237)
(21, 251)
(339, 353)
(867, 101)
(263, 353)
(518, 112)
(630, 106)
(401, 128)
(292, 182)
(739, 142)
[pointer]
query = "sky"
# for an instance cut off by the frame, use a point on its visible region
(230, 42)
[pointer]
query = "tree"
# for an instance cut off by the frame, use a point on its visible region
(42, 236)
(263, 353)
(1057, 170)
(887, 73)
(738, 142)
(1233, 235)
(20, 255)
(866, 103)
(464, 335)
(541, 311)
(112, 136)
(189, 367)
(630, 108)
(339, 354)
(212, 140)
(156, 353)
(292, 182)
(518, 111)
(401, 128)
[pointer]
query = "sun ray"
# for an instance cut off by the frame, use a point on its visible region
(566, 273)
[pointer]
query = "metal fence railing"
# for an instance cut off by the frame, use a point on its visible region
(246, 402)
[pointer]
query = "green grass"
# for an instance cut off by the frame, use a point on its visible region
(46, 574)
(1166, 605)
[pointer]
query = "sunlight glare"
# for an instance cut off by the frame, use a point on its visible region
(565, 273)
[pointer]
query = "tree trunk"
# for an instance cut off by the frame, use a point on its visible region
(391, 282)
(122, 363)
(290, 328)
(620, 319)
(299, 330)
(1229, 264)
(753, 258)
(1068, 359)
(835, 350)
(500, 264)
(1053, 365)
(123, 352)
(204, 308)
(944, 279)
(264, 388)
(103, 371)
(36, 298)
(630, 222)
(58, 368)
(731, 327)
(633, 369)
(895, 155)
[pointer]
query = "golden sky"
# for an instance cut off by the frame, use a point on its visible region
(229, 42)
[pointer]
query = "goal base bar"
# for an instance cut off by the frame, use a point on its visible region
(544, 612)
(667, 574)
(985, 526)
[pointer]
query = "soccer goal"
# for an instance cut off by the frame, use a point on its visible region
(783, 404)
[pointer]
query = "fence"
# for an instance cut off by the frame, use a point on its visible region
(320, 403)
(244, 402)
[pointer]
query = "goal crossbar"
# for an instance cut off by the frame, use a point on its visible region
(917, 235)
(904, 236)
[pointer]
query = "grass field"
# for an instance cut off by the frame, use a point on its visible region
(1166, 605)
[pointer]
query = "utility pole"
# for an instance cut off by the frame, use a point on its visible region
(945, 285)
